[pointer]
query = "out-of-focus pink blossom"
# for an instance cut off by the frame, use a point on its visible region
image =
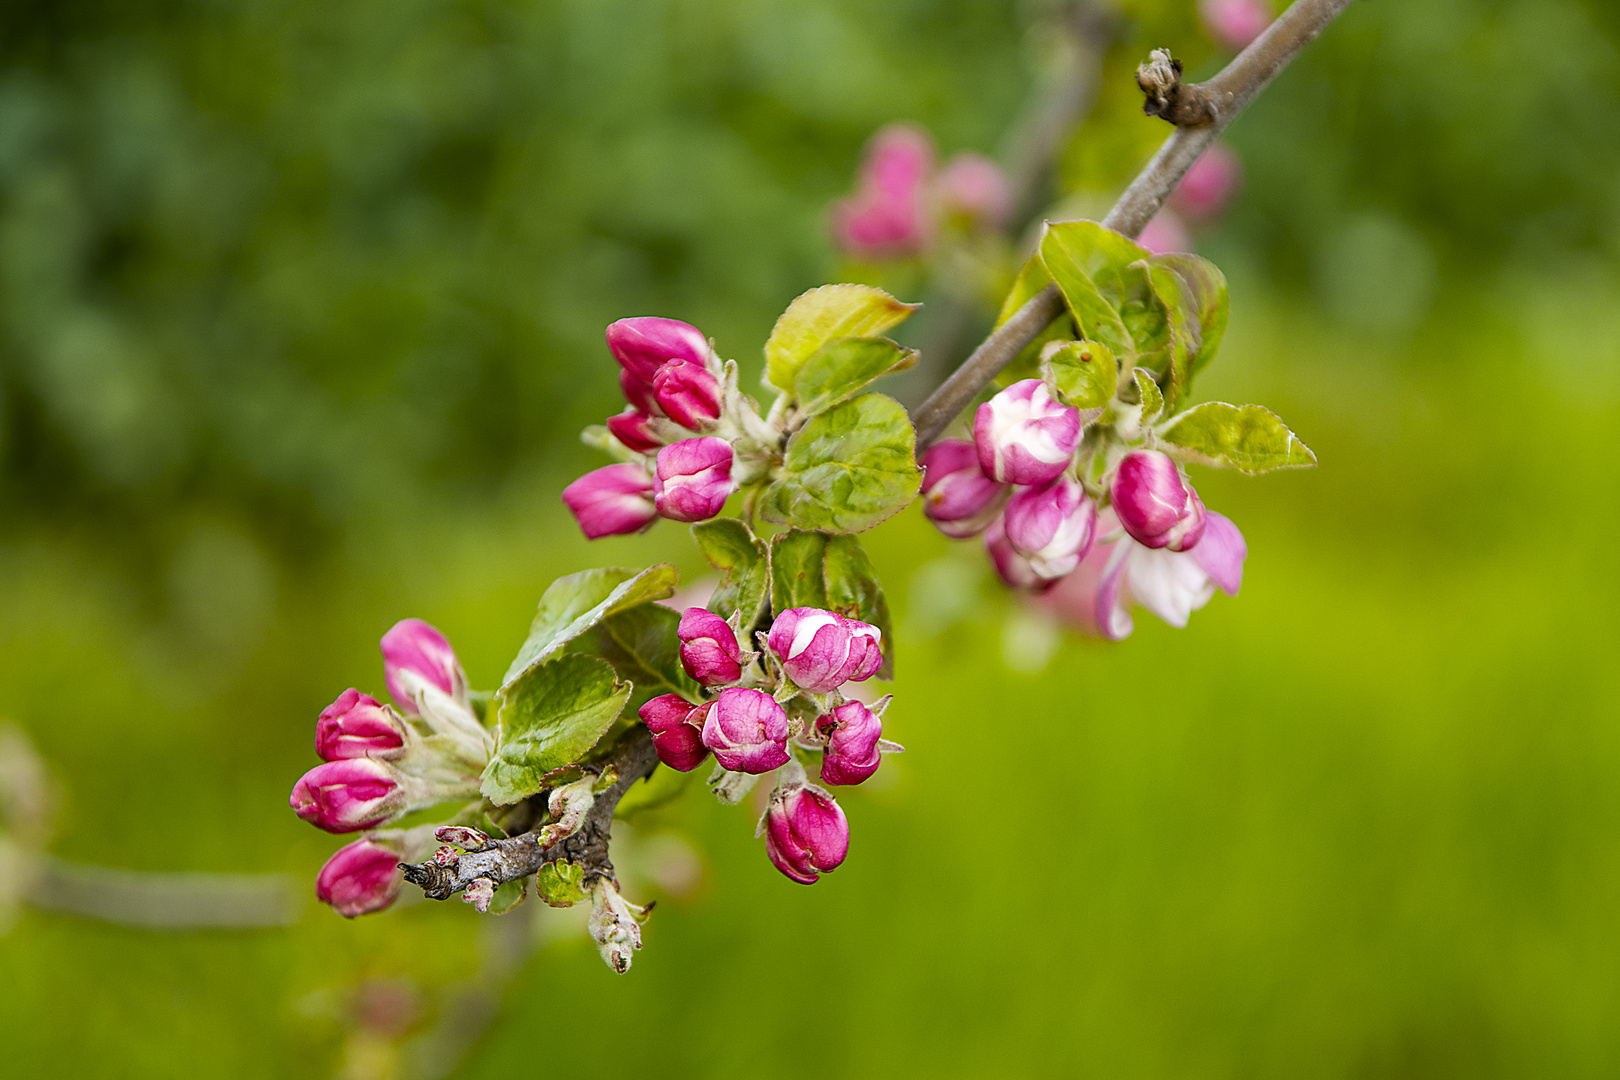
(888, 215)
(974, 187)
(1209, 185)
(1165, 233)
(1235, 23)
(1052, 526)
(1013, 568)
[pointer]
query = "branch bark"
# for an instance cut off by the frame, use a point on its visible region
(519, 856)
(1207, 109)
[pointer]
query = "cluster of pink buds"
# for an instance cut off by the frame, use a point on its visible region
(382, 762)
(1018, 482)
(901, 198)
(758, 707)
(688, 437)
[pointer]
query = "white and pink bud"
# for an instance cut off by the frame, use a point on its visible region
(1165, 233)
(973, 187)
(346, 796)
(677, 731)
(747, 730)
(688, 393)
(1155, 503)
(357, 725)
(1051, 526)
(709, 649)
(1235, 23)
(611, 501)
(1024, 435)
(853, 733)
(956, 495)
(693, 479)
(635, 430)
(888, 216)
(806, 833)
(1011, 567)
(643, 345)
(1209, 185)
(821, 650)
(360, 878)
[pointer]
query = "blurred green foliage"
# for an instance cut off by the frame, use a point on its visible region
(300, 310)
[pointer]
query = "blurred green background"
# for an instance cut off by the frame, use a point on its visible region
(301, 310)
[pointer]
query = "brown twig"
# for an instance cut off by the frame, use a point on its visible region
(520, 856)
(1207, 108)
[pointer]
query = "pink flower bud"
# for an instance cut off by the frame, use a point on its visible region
(1209, 185)
(677, 731)
(747, 730)
(357, 725)
(360, 878)
(417, 656)
(640, 394)
(1235, 23)
(343, 796)
(974, 187)
(634, 429)
(643, 345)
(806, 833)
(709, 649)
(956, 495)
(1013, 568)
(821, 650)
(1165, 233)
(612, 500)
(1024, 436)
(688, 393)
(888, 217)
(1052, 526)
(852, 731)
(693, 479)
(1155, 504)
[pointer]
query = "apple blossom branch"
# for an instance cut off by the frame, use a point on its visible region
(510, 859)
(1200, 111)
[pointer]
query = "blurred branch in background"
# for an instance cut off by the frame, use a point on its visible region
(1080, 32)
(1207, 108)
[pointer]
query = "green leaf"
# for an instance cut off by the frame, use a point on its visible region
(1026, 365)
(508, 895)
(550, 716)
(1185, 332)
(744, 566)
(561, 884)
(853, 590)
(798, 570)
(839, 369)
(575, 603)
(1084, 374)
(1206, 286)
(819, 316)
(1250, 439)
(1092, 267)
(847, 469)
(1152, 398)
(643, 648)
(812, 569)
